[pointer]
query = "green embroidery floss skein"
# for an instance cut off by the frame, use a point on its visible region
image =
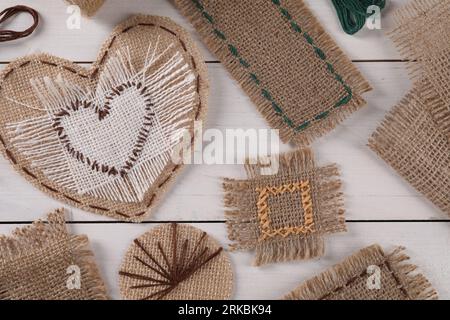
(353, 13)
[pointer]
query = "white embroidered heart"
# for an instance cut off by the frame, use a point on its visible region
(115, 140)
(92, 133)
(103, 138)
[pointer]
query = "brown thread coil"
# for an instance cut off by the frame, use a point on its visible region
(10, 35)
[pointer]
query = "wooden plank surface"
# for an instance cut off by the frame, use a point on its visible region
(429, 251)
(381, 206)
(82, 45)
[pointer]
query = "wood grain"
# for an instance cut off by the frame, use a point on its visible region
(381, 207)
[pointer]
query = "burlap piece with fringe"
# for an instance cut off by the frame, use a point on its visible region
(349, 279)
(88, 7)
(410, 142)
(285, 216)
(176, 262)
(422, 34)
(35, 260)
(299, 79)
(103, 138)
(414, 137)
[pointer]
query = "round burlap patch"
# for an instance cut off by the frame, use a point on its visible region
(176, 262)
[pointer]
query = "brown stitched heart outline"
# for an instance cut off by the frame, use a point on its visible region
(126, 211)
(104, 112)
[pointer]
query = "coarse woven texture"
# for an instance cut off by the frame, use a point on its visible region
(284, 216)
(88, 7)
(349, 279)
(422, 34)
(103, 139)
(176, 262)
(299, 79)
(411, 144)
(35, 263)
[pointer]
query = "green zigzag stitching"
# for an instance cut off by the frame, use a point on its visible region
(264, 92)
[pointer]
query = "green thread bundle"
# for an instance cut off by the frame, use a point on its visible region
(353, 13)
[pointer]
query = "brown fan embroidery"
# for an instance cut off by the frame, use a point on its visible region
(167, 269)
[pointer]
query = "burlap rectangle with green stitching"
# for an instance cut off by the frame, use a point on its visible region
(290, 67)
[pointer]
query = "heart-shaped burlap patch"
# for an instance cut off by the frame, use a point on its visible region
(102, 139)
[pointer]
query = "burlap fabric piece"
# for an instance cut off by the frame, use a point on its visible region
(284, 216)
(35, 262)
(88, 7)
(299, 79)
(422, 34)
(411, 144)
(176, 262)
(103, 138)
(353, 279)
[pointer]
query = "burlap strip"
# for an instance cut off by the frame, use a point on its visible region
(299, 79)
(354, 279)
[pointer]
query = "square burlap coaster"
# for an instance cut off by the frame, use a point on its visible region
(286, 215)
(293, 71)
(369, 274)
(44, 262)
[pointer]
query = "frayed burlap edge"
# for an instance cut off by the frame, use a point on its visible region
(401, 36)
(387, 136)
(240, 222)
(41, 234)
(414, 284)
(342, 64)
(305, 248)
(103, 207)
(88, 7)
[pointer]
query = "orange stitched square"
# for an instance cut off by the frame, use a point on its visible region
(267, 230)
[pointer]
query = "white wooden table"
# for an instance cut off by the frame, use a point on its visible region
(381, 207)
